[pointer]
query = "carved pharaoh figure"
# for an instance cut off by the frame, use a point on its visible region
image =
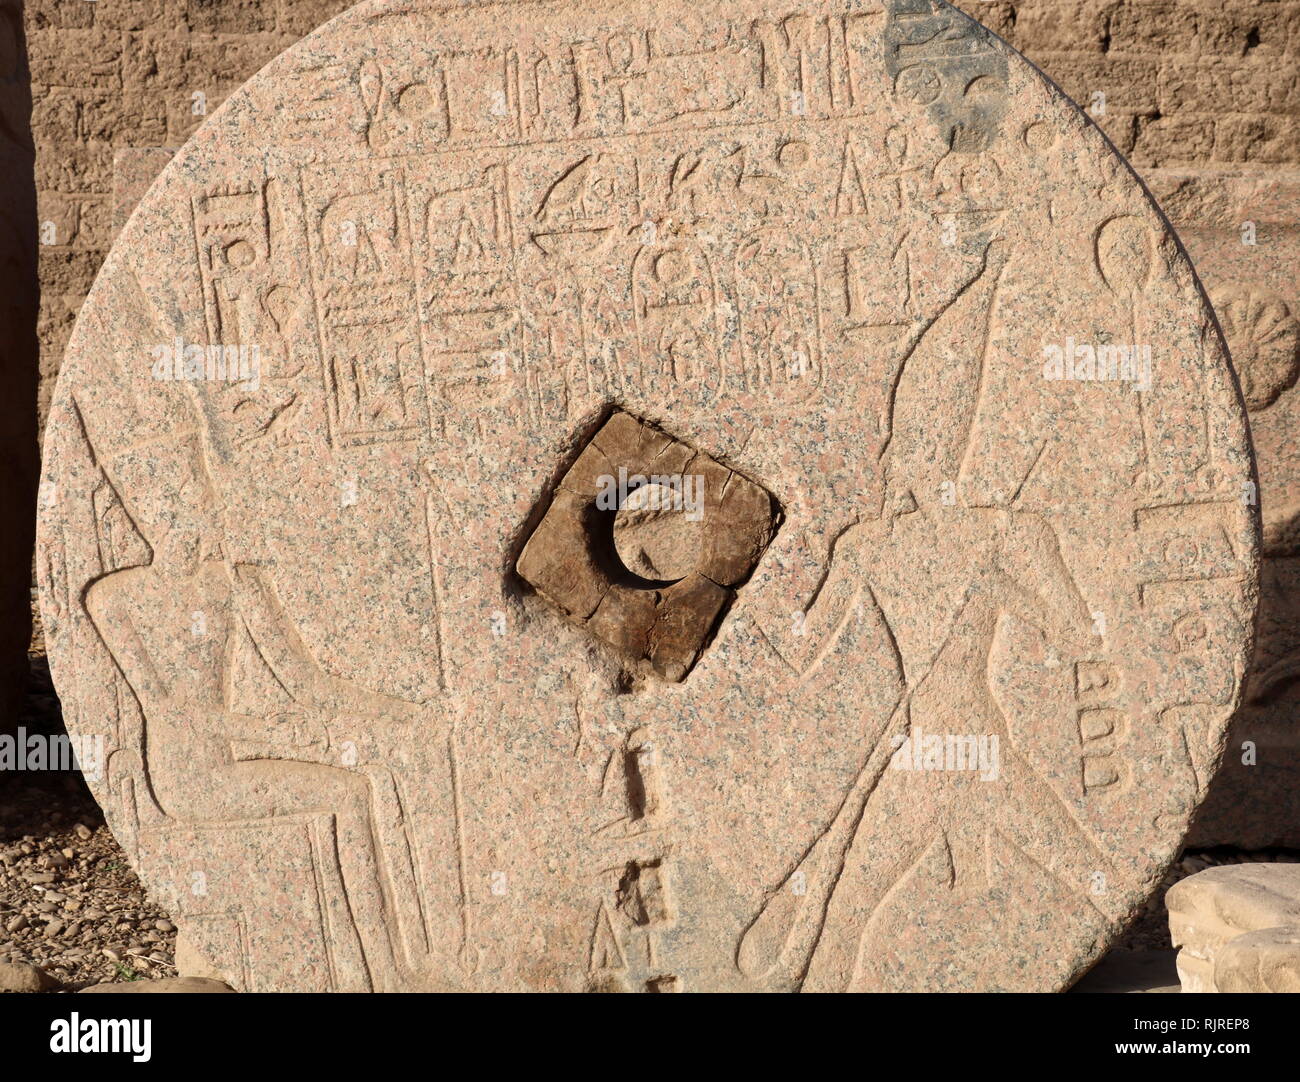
(206, 762)
(940, 574)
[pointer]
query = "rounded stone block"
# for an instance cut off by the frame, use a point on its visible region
(384, 705)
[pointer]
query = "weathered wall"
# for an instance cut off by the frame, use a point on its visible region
(1186, 82)
(18, 359)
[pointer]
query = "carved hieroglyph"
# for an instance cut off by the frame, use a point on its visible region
(345, 355)
(1242, 229)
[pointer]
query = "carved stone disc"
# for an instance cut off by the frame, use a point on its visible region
(555, 496)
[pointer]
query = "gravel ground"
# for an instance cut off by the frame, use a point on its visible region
(69, 902)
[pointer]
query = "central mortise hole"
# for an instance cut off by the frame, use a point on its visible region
(658, 533)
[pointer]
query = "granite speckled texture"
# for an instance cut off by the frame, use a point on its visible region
(342, 356)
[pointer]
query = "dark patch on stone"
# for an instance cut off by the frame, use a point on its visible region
(572, 560)
(947, 63)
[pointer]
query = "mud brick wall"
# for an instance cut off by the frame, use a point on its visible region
(1185, 82)
(18, 362)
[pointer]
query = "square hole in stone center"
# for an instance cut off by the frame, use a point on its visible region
(645, 543)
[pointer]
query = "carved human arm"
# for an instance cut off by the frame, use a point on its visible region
(297, 736)
(809, 590)
(107, 605)
(1041, 589)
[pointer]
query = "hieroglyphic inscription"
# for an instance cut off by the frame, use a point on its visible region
(363, 267)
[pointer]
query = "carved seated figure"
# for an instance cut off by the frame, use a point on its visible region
(172, 626)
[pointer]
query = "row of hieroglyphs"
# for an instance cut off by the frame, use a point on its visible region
(1189, 572)
(635, 904)
(575, 271)
(630, 78)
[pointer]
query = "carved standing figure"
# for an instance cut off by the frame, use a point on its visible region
(941, 574)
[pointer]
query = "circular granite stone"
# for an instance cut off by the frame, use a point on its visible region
(328, 559)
